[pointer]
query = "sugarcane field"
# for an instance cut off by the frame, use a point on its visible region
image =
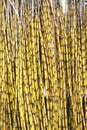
(43, 64)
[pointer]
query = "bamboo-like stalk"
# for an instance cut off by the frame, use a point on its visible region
(43, 65)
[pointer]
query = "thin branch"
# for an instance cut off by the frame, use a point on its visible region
(16, 11)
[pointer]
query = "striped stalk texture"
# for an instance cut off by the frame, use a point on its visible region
(43, 65)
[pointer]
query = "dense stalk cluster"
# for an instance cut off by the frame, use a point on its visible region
(43, 65)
